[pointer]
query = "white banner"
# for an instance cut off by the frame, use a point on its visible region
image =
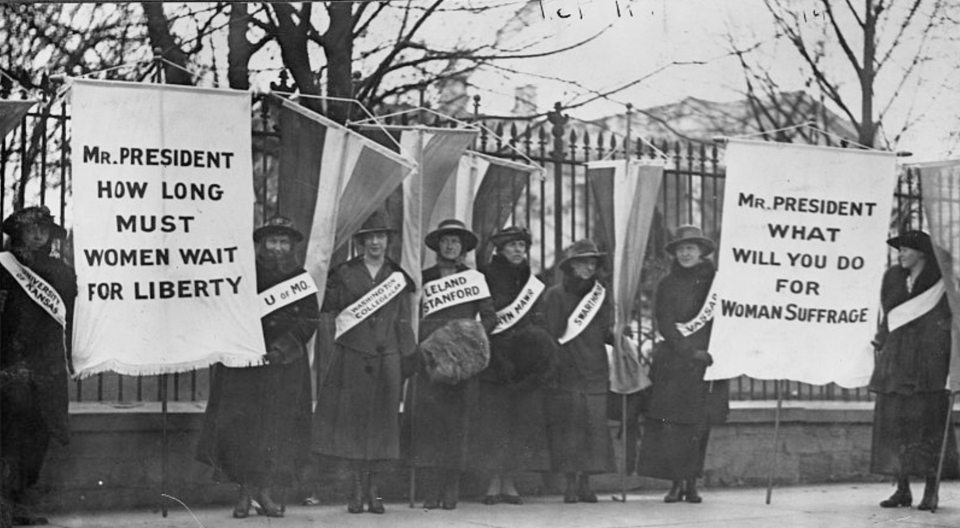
(163, 202)
(801, 261)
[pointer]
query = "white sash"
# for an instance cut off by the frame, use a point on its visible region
(372, 301)
(702, 318)
(913, 308)
(510, 315)
(459, 288)
(37, 289)
(584, 313)
(288, 291)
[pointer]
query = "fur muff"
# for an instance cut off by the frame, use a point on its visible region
(529, 353)
(456, 351)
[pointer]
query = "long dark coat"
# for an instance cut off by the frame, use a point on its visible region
(682, 406)
(509, 432)
(577, 430)
(441, 413)
(357, 415)
(256, 429)
(33, 374)
(909, 377)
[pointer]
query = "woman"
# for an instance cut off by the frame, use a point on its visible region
(509, 433)
(33, 356)
(579, 316)
(256, 427)
(910, 374)
(442, 410)
(682, 406)
(356, 423)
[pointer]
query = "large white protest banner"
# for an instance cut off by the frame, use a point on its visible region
(163, 201)
(800, 262)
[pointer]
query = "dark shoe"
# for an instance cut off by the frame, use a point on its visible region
(511, 499)
(490, 500)
(242, 509)
(570, 494)
(267, 506)
(690, 493)
(930, 496)
(584, 493)
(451, 491)
(374, 500)
(675, 494)
(355, 500)
(901, 497)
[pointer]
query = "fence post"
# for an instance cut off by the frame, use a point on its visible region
(559, 121)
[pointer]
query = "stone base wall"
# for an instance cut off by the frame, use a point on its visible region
(115, 457)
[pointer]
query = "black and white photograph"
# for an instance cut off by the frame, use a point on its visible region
(487, 263)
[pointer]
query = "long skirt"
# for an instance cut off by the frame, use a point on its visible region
(509, 433)
(256, 427)
(25, 440)
(578, 434)
(673, 451)
(908, 433)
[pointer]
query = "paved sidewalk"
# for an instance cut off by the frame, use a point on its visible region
(834, 506)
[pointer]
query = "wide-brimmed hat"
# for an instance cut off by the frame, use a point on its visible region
(585, 248)
(691, 234)
(36, 215)
(378, 222)
(278, 225)
(913, 239)
(451, 227)
(509, 235)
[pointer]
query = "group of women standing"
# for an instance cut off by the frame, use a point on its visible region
(509, 375)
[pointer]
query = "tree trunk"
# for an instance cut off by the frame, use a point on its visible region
(238, 53)
(292, 37)
(158, 30)
(868, 129)
(339, 51)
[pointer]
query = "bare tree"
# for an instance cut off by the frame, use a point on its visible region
(878, 46)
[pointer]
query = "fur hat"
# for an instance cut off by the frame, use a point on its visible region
(278, 225)
(914, 240)
(509, 235)
(451, 227)
(580, 249)
(36, 215)
(456, 351)
(691, 234)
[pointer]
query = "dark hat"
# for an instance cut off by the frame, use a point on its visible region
(687, 234)
(451, 227)
(580, 249)
(913, 239)
(278, 225)
(509, 235)
(378, 222)
(37, 215)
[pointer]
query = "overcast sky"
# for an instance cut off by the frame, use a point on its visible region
(651, 34)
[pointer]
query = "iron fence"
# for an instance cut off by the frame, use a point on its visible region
(34, 168)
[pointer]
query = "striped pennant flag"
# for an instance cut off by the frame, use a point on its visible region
(483, 193)
(11, 113)
(331, 180)
(438, 152)
(626, 193)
